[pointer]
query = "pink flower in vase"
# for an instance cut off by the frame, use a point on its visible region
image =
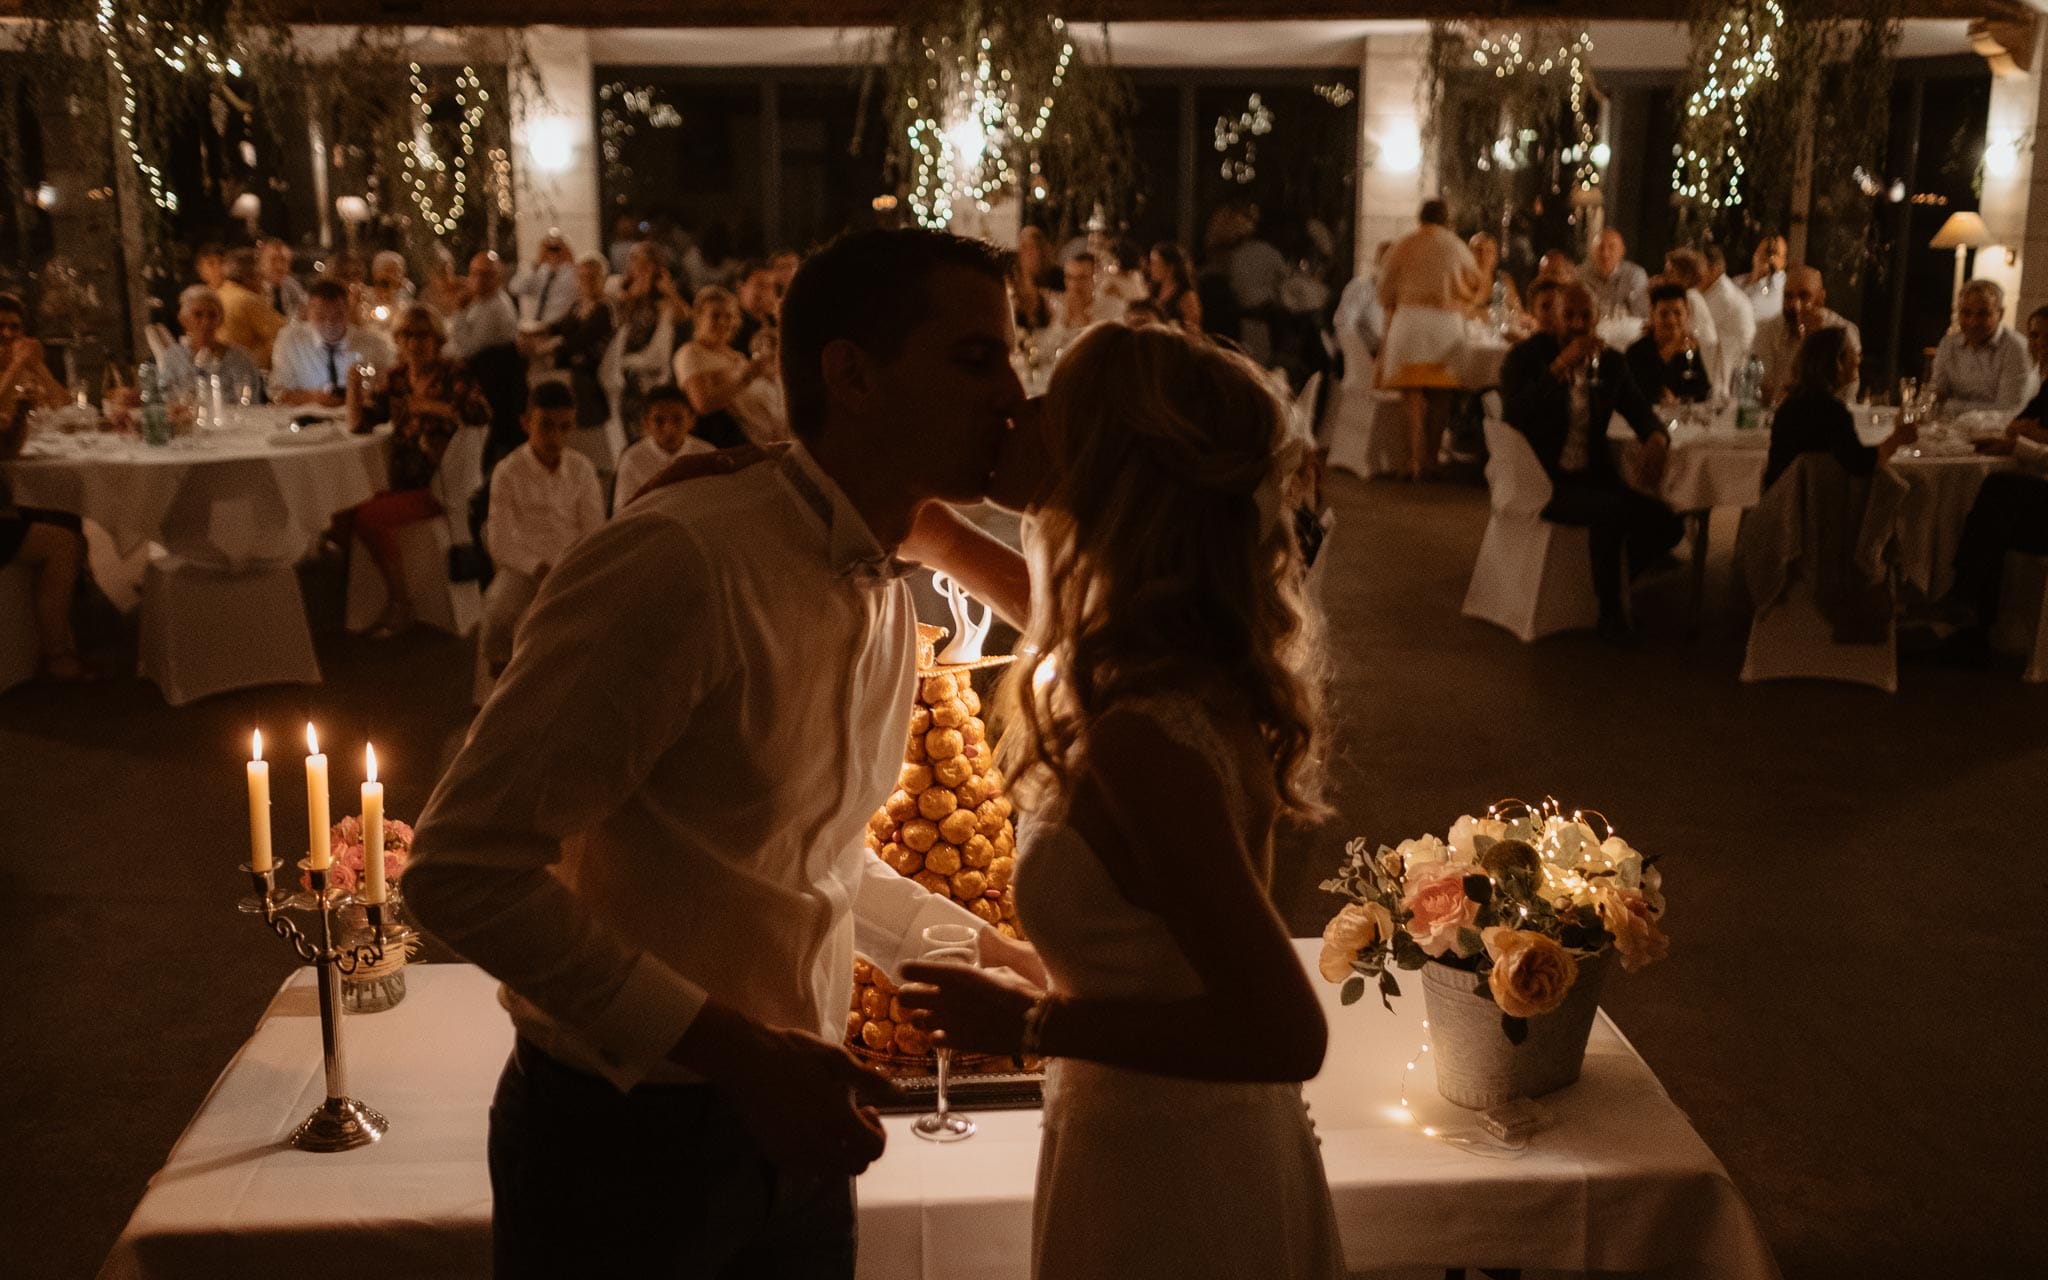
(1437, 905)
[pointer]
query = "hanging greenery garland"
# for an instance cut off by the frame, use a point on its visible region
(983, 97)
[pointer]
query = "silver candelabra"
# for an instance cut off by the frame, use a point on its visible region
(341, 1123)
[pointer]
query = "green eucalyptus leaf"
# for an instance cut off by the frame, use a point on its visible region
(1353, 988)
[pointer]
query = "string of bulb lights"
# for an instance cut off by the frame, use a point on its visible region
(421, 159)
(180, 51)
(1506, 56)
(967, 123)
(1745, 57)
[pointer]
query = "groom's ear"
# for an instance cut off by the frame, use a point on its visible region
(848, 373)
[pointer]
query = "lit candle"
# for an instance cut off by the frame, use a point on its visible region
(373, 829)
(259, 805)
(317, 852)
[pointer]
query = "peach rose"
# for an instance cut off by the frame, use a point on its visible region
(1532, 974)
(1349, 932)
(1437, 906)
(1637, 939)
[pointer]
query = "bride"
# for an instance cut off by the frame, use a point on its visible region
(1169, 718)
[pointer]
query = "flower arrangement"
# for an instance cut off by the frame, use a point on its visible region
(345, 844)
(1522, 896)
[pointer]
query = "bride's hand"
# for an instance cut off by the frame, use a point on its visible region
(973, 1010)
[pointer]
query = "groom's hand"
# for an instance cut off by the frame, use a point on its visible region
(807, 1102)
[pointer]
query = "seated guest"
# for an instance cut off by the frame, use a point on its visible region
(1813, 418)
(760, 298)
(1619, 286)
(285, 295)
(650, 311)
(1030, 294)
(50, 543)
(1081, 304)
(1688, 269)
(1557, 267)
(576, 342)
(311, 361)
(665, 427)
(711, 373)
(426, 398)
(247, 320)
(389, 293)
(200, 353)
(1805, 312)
(2009, 514)
(1172, 294)
(1493, 283)
(1666, 362)
(209, 264)
(1981, 363)
(1552, 393)
(546, 288)
(1764, 285)
(762, 411)
(544, 496)
(484, 336)
(444, 289)
(1734, 317)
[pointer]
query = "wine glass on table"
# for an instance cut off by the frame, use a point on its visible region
(947, 944)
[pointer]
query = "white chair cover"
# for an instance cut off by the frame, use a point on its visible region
(20, 651)
(2023, 614)
(1793, 640)
(206, 630)
(1533, 578)
(1302, 414)
(448, 606)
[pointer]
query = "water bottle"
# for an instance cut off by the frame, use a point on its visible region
(156, 414)
(1749, 395)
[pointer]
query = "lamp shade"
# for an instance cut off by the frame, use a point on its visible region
(357, 209)
(248, 206)
(1961, 231)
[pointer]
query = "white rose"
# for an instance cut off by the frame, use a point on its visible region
(1422, 849)
(1470, 836)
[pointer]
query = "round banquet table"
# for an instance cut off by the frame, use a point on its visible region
(228, 498)
(1940, 490)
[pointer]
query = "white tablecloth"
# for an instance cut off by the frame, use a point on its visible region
(1477, 364)
(229, 498)
(1939, 492)
(1619, 1182)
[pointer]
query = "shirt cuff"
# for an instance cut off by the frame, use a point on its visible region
(643, 1021)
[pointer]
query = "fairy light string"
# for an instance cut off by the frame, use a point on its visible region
(425, 167)
(1513, 53)
(1745, 58)
(968, 121)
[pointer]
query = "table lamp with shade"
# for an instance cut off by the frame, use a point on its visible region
(1963, 232)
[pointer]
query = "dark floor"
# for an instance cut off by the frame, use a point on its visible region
(1848, 873)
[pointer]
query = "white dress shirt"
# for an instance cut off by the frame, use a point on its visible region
(1734, 325)
(664, 798)
(1991, 376)
(287, 297)
(481, 325)
(237, 370)
(1706, 331)
(301, 360)
(553, 290)
(538, 514)
(1777, 345)
(1766, 294)
(1625, 292)
(642, 461)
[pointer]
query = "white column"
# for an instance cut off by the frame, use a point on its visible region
(555, 139)
(1396, 170)
(2014, 203)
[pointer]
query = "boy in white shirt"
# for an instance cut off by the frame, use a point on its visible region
(544, 496)
(665, 427)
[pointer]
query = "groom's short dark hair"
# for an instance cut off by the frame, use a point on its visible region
(867, 287)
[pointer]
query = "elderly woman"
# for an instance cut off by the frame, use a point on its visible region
(576, 343)
(711, 374)
(51, 544)
(202, 353)
(426, 398)
(388, 293)
(1813, 418)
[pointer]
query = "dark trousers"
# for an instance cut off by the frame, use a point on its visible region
(663, 1182)
(2010, 514)
(1621, 522)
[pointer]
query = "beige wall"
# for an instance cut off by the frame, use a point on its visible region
(559, 125)
(1389, 123)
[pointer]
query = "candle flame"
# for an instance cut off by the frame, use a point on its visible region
(312, 740)
(256, 745)
(370, 760)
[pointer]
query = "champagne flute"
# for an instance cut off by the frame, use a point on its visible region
(947, 944)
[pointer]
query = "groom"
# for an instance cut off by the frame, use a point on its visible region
(653, 833)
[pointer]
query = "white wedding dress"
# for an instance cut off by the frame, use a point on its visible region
(1143, 1175)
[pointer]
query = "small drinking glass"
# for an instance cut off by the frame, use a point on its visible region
(947, 944)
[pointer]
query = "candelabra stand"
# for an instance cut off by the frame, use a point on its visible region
(341, 1123)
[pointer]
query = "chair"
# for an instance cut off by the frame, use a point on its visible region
(437, 600)
(21, 652)
(1533, 578)
(1791, 637)
(208, 629)
(1793, 640)
(2022, 626)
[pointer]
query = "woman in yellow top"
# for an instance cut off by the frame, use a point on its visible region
(1427, 282)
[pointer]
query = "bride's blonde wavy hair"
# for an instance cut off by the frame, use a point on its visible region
(1166, 546)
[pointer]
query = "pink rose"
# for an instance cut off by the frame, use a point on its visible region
(1637, 939)
(1437, 906)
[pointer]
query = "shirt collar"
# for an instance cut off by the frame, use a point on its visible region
(850, 546)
